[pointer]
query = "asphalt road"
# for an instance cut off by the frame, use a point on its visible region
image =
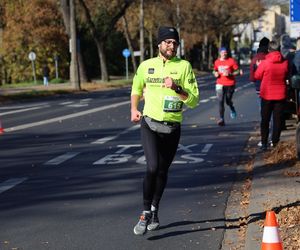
(72, 168)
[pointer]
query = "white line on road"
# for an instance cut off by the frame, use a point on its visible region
(10, 183)
(65, 117)
(65, 103)
(21, 110)
(62, 158)
(24, 106)
(204, 101)
(104, 139)
(110, 138)
(206, 148)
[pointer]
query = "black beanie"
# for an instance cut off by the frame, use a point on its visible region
(167, 33)
(264, 42)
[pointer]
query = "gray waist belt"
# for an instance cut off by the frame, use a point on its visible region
(161, 126)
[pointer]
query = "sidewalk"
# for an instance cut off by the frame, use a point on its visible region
(264, 186)
(272, 189)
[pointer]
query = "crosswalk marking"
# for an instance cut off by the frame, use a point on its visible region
(62, 158)
(10, 183)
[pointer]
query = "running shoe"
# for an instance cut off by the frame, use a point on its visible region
(264, 147)
(221, 122)
(141, 227)
(154, 222)
(233, 114)
(271, 144)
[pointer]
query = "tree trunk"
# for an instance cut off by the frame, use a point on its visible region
(65, 10)
(142, 45)
(74, 72)
(210, 57)
(129, 43)
(102, 58)
(151, 42)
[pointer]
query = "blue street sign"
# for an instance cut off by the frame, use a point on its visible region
(295, 10)
(126, 53)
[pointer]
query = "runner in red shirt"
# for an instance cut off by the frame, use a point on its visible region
(225, 70)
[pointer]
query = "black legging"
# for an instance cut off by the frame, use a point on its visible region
(159, 150)
(225, 94)
(267, 109)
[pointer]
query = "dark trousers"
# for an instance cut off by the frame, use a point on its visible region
(160, 150)
(267, 109)
(225, 94)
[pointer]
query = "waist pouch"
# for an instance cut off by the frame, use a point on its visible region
(161, 126)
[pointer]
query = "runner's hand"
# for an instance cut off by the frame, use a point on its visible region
(136, 115)
(169, 83)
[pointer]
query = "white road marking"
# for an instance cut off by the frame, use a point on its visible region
(78, 105)
(24, 106)
(65, 117)
(110, 138)
(86, 100)
(206, 148)
(10, 183)
(204, 100)
(65, 103)
(22, 110)
(62, 158)
(104, 139)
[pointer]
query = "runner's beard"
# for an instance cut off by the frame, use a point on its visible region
(166, 53)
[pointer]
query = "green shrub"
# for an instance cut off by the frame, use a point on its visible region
(57, 80)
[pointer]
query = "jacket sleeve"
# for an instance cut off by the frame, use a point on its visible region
(138, 82)
(191, 87)
(259, 72)
(252, 69)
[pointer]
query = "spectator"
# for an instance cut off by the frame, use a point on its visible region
(273, 73)
(260, 55)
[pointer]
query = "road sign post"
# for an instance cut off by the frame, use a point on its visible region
(56, 66)
(32, 57)
(126, 53)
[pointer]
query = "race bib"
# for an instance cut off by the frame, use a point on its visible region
(172, 104)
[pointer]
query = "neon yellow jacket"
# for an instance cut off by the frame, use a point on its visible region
(162, 103)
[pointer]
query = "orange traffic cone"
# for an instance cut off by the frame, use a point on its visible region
(1, 129)
(271, 239)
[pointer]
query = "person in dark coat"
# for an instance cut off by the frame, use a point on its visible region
(296, 59)
(260, 55)
(46, 73)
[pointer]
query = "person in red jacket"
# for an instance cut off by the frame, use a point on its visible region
(273, 73)
(225, 70)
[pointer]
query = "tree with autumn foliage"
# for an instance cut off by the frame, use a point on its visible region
(210, 22)
(100, 19)
(39, 28)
